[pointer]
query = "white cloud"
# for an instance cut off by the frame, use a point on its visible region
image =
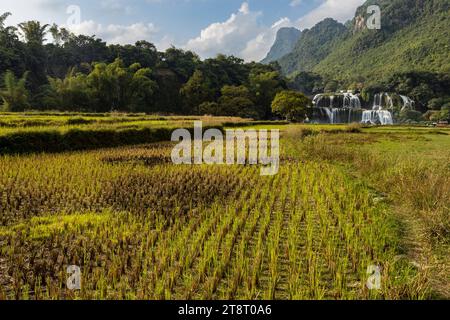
(117, 6)
(115, 33)
(242, 35)
(336, 9)
(165, 43)
(43, 10)
(295, 3)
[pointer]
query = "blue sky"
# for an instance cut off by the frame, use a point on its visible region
(245, 28)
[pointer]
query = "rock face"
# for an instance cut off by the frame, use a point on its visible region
(314, 45)
(360, 24)
(285, 42)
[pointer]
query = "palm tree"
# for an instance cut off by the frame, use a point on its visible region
(56, 34)
(33, 31)
(3, 18)
(14, 94)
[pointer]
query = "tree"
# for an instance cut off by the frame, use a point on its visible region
(410, 115)
(331, 86)
(225, 70)
(445, 113)
(116, 87)
(35, 53)
(56, 34)
(292, 105)
(142, 52)
(438, 103)
(183, 63)
(14, 94)
(33, 31)
(11, 49)
(70, 93)
(307, 82)
(3, 18)
(84, 49)
(196, 91)
(237, 101)
(264, 87)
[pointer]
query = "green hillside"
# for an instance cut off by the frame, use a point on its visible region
(314, 45)
(414, 36)
(417, 41)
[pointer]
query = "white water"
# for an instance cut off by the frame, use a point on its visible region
(351, 101)
(383, 101)
(383, 117)
(408, 104)
(346, 107)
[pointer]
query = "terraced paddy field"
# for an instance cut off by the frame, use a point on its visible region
(346, 199)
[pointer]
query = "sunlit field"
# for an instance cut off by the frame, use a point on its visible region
(345, 198)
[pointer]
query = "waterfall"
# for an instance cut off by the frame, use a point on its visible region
(346, 107)
(407, 103)
(351, 101)
(383, 117)
(380, 114)
(329, 114)
(383, 101)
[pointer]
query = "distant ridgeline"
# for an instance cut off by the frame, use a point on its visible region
(414, 37)
(284, 44)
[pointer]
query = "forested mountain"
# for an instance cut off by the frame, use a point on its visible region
(414, 36)
(314, 45)
(410, 54)
(284, 44)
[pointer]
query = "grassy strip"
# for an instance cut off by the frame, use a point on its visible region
(254, 123)
(77, 139)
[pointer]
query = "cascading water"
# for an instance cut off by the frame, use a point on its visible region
(383, 117)
(379, 114)
(339, 108)
(347, 108)
(408, 104)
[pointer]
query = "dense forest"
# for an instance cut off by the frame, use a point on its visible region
(83, 73)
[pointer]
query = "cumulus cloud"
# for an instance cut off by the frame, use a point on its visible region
(242, 35)
(24, 10)
(115, 33)
(336, 9)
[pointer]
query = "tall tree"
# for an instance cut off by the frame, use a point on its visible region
(117, 87)
(3, 18)
(237, 101)
(14, 94)
(292, 105)
(56, 34)
(33, 31)
(196, 91)
(264, 87)
(11, 49)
